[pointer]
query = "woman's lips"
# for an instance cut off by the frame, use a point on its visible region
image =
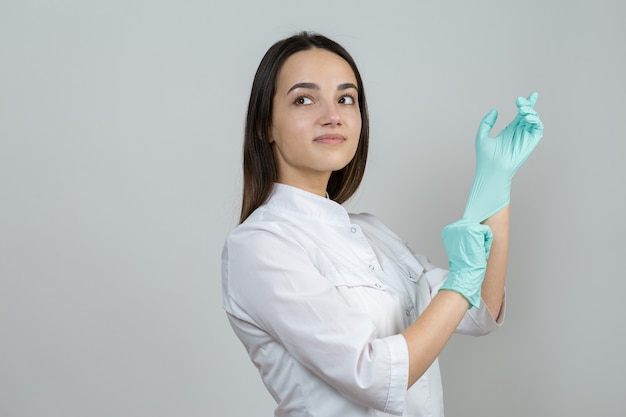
(330, 139)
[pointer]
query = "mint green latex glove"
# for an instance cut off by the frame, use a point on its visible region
(467, 245)
(498, 158)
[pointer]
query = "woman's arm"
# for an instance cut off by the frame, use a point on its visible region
(428, 335)
(493, 285)
(497, 160)
(467, 245)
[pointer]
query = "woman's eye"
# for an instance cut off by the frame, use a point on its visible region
(346, 100)
(302, 100)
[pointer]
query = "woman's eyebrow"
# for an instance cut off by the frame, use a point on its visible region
(346, 86)
(310, 86)
(313, 86)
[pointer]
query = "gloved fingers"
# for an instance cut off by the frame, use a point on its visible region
(467, 245)
(529, 119)
(486, 124)
(524, 110)
(468, 235)
(530, 101)
(533, 120)
(522, 101)
(537, 129)
(532, 123)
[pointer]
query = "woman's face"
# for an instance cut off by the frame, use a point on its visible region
(316, 121)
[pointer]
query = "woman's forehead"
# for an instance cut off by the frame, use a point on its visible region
(316, 66)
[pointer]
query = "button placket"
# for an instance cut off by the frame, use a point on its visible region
(372, 267)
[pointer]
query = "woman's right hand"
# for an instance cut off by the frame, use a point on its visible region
(467, 245)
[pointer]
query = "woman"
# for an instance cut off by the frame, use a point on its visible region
(336, 312)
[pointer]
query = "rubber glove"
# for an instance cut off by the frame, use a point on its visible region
(467, 245)
(498, 158)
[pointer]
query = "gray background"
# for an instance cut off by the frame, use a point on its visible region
(120, 129)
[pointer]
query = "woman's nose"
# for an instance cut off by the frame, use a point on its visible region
(331, 115)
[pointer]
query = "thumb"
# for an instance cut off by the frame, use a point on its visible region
(487, 123)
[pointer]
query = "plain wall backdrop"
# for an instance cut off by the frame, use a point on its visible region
(120, 139)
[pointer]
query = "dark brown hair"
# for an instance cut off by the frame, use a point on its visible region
(259, 166)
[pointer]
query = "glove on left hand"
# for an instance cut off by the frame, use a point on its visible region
(498, 158)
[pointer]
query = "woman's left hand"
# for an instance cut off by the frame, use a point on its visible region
(498, 158)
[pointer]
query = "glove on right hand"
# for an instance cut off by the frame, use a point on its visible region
(467, 245)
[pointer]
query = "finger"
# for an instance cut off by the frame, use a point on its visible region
(483, 232)
(536, 128)
(524, 110)
(487, 123)
(532, 119)
(522, 102)
(529, 101)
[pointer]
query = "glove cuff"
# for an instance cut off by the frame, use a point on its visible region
(455, 282)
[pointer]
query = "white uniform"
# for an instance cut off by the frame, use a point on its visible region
(319, 298)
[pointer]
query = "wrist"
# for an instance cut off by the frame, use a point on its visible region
(488, 195)
(454, 298)
(469, 292)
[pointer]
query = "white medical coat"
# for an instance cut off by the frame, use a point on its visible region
(319, 298)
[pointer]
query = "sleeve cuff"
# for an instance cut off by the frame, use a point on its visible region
(399, 375)
(479, 321)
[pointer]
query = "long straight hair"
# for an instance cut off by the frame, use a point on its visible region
(259, 166)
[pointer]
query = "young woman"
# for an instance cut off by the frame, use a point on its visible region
(340, 317)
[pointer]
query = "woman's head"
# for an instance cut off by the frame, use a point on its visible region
(260, 164)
